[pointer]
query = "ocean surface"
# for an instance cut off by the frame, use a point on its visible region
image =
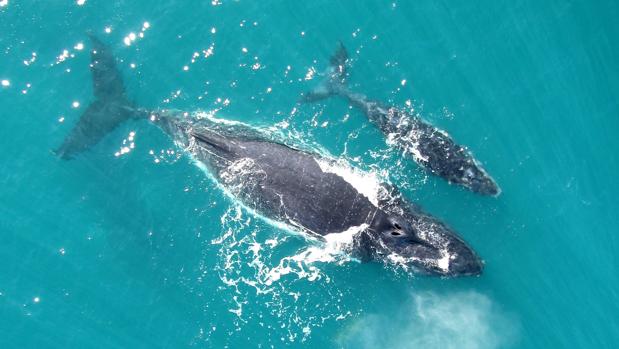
(132, 246)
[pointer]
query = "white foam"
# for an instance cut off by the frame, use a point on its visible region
(333, 249)
(409, 143)
(366, 183)
(210, 115)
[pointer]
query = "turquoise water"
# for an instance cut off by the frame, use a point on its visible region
(143, 250)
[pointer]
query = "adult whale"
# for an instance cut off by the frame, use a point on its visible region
(280, 182)
(432, 148)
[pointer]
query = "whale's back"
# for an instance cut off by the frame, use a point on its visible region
(285, 183)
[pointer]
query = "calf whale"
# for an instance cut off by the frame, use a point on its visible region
(281, 182)
(430, 147)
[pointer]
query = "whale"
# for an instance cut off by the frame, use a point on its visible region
(430, 147)
(287, 184)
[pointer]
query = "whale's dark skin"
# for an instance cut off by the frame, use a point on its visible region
(429, 146)
(284, 183)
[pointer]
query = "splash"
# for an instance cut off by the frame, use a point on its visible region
(335, 248)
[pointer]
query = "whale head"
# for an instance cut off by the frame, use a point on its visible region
(472, 176)
(419, 241)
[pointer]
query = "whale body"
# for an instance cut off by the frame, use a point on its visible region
(430, 147)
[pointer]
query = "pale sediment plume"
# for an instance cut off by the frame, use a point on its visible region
(463, 320)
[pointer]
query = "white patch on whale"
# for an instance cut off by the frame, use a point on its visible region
(443, 263)
(366, 183)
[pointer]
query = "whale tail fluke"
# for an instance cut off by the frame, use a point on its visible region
(109, 109)
(334, 82)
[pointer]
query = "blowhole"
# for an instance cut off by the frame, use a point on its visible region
(395, 233)
(397, 226)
